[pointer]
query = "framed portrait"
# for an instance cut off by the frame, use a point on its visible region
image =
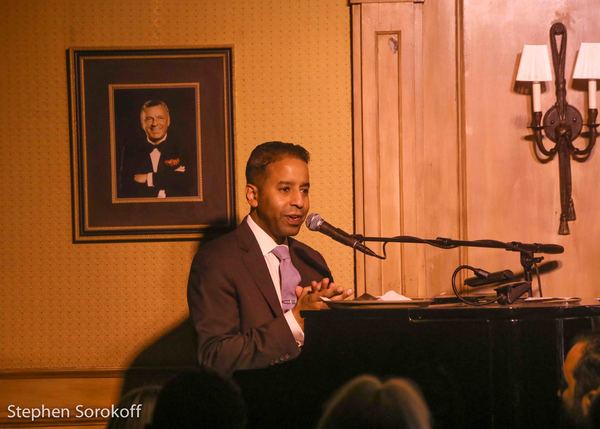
(151, 143)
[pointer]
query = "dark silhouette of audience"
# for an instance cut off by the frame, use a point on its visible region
(594, 415)
(581, 372)
(203, 399)
(146, 396)
(366, 402)
(200, 399)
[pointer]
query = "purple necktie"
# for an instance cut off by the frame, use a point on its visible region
(289, 277)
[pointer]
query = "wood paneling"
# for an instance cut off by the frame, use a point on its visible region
(439, 141)
(58, 389)
(510, 195)
(387, 93)
(401, 166)
(385, 1)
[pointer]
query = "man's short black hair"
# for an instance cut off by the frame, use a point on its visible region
(587, 371)
(269, 152)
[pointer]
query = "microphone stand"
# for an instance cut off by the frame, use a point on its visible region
(506, 294)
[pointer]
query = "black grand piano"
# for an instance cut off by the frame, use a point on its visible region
(478, 367)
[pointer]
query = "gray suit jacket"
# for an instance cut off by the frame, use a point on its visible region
(234, 306)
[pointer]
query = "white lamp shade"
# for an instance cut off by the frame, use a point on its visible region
(535, 64)
(588, 62)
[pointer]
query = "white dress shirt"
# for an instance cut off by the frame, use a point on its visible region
(267, 244)
(155, 158)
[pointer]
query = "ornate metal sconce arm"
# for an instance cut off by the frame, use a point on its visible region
(581, 155)
(538, 137)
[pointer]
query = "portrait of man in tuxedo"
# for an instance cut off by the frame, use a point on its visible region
(154, 167)
(247, 288)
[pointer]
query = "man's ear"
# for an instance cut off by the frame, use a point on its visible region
(587, 400)
(252, 195)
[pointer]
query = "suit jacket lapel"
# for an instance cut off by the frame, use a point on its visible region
(309, 267)
(257, 267)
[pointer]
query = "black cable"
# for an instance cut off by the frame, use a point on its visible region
(458, 294)
(539, 279)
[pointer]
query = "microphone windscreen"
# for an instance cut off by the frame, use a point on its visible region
(551, 248)
(314, 221)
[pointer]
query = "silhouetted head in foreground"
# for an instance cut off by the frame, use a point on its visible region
(197, 400)
(138, 407)
(581, 378)
(366, 402)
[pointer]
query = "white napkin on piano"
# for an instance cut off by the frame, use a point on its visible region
(391, 295)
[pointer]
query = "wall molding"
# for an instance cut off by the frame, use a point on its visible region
(67, 388)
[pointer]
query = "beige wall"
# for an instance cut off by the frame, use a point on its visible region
(98, 305)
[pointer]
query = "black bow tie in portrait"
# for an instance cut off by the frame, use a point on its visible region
(150, 147)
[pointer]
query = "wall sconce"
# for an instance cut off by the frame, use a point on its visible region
(562, 123)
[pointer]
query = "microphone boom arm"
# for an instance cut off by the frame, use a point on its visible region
(526, 250)
(315, 222)
(449, 243)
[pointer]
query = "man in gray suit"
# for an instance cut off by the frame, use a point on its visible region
(236, 292)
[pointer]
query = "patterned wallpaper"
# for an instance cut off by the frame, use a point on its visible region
(97, 305)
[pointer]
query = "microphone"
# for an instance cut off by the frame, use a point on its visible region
(485, 278)
(315, 222)
(539, 248)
